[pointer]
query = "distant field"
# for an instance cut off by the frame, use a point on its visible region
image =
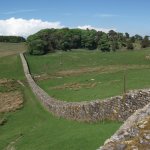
(11, 48)
(33, 128)
(88, 75)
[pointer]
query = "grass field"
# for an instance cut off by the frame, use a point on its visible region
(89, 75)
(11, 48)
(33, 128)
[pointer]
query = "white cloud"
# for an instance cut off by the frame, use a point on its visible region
(95, 28)
(24, 27)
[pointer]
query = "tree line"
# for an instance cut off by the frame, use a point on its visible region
(12, 39)
(50, 40)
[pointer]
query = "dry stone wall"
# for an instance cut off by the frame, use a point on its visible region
(115, 108)
(134, 134)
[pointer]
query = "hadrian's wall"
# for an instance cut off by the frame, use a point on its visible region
(115, 108)
(134, 134)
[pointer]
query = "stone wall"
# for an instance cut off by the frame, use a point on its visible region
(134, 134)
(115, 108)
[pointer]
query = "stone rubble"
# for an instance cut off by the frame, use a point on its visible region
(134, 134)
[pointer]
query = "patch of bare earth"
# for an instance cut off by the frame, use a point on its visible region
(7, 49)
(74, 86)
(10, 101)
(100, 70)
(11, 145)
(8, 53)
(3, 81)
(10, 97)
(147, 57)
(9, 85)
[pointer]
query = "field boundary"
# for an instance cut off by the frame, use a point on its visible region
(115, 108)
(133, 134)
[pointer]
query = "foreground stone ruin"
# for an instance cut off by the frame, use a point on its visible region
(134, 134)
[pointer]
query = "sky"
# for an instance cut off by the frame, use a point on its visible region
(25, 17)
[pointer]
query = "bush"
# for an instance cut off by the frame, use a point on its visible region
(37, 47)
(114, 46)
(145, 42)
(130, 46)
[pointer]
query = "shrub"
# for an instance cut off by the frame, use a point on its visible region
(37, 47)
(130, 46)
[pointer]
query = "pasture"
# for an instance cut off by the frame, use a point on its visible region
(7, 49)
(81, 75)
(32, 127)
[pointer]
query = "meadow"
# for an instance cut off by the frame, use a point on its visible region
(7, 49)
(81, 75)
(33, 128)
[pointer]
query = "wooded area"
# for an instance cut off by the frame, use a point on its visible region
(50, 40)
(12, 39)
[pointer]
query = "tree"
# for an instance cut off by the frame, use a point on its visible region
(145, 42)
(138, 37)
(37, 47)
(12, 39)
(50, 40)
(120, 37)
(114, 45)
(130, 45)
(123, 44)
(103, 44)
(112, 35)
(127, 35)
(132, 39)
(88, 39)
(65, 46)
(75, 38)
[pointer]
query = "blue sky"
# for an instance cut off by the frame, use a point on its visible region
(125, 16)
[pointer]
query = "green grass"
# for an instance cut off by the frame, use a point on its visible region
(82, 58)
(40, 130)
(11, 48)
(11, 67)
(108, 83)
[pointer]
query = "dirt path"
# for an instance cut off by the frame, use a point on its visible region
(11, 145)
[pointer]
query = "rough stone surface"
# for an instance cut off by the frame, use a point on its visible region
(134, 134)
(114, 108)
